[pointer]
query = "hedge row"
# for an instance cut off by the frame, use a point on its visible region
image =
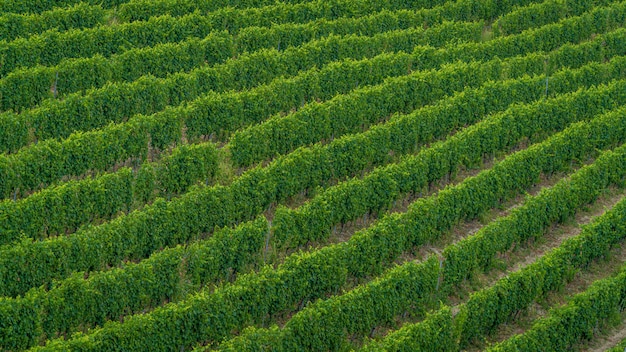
(326, 324)
(77, 303)
(81, 15)
(490, 307)
(73, 204)
(280, 134)
(306, 276)
(378, 190)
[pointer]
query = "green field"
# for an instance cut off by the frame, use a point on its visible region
(303, 175)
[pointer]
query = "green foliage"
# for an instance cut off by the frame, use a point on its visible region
(490, 307)
(167, 275)
(75, 203)
(81, 15)
(376, 192)
(352, 113)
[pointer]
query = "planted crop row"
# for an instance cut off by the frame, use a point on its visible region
(23, 216)
(566, 326)
(280, 135)
(49, 161)
(20, 6)
(76, 203)
(326, 324)
(142, 10)
(378, 190)
(84, 321)
(50, 48)
(306, 276)
(244, 199)
(541, 13)
(148, 95)
(168, 275)
(490, 307)
(163, 59)
(81, 15)
(26, 88)
(70, 76)
(163, 129)
(53, 119)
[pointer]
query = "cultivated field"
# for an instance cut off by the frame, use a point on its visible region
(302, 175)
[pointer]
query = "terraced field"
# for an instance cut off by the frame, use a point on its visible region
(300, 175)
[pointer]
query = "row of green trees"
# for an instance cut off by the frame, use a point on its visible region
(307, 276)
(169, 275)
(283, 134)
(414, 287)
(81, 15)
(487, 309)
(377, 191)
(76, 203)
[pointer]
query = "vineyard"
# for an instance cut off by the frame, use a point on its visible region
(313, 175)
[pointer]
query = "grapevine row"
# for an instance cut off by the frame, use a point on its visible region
(48, 122)
(168, 275)
(244, 199)
(43, 164)
(326, 324)
(20, 6)
(309, 275)
(23, 216)
(76, 203)
(81, 15)
(375, 192)
(148, 95)
(50, 48)
(269, 139)
(490, 307)
(576, 321)
(69, 77)
(156, 299)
